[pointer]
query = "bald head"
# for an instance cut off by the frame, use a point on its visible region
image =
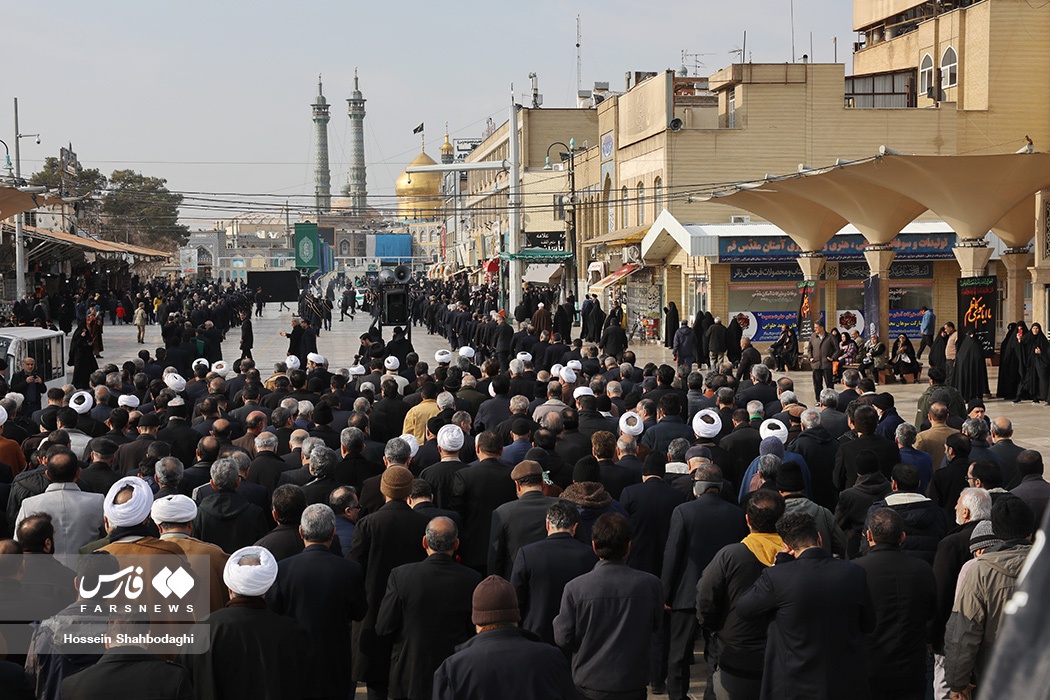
(221, 428)
(256, 422)
(442, 536)
(1002, 428)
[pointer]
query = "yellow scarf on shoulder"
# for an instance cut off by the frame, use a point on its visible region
(764, 545)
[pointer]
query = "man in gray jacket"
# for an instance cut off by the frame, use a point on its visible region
(820, 348)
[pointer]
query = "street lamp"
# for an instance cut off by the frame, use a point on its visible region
(569, 155)
(20, 253)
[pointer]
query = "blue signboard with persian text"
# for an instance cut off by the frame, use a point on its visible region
(791, 272)
(908, 246)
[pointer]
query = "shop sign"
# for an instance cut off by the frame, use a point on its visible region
(908, 246)
(976, 307)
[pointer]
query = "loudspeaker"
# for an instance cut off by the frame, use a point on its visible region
(386, 276)
(675, 125)
(395, 307)
(402, 274)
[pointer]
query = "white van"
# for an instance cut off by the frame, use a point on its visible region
(48, 348)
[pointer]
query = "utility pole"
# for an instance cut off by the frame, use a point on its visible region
(20, 253)
(514, 206)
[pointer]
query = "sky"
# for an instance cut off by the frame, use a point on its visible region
(215, 97)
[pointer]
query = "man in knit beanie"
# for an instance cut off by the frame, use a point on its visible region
(503, 660)
(383, 540)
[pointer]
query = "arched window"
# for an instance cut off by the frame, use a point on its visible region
(359, 248)
(949, 68)
(344, 248)
(658, 193)
(640, 204)
(926, 75)
(623, 207)
(609, 206)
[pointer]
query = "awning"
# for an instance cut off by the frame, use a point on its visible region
(624, 236)
(615, 278)
(491, 265)
(596, 266)
(538, 255)
(93, 244)
(14, 201)
(545, 273)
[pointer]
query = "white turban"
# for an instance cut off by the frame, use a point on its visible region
(443, 357)
(175, 382)
(250, 579)
(492, 390)
(174, 509)
(631, 424)
(466, 352)
(556, 369)
(773, 428)
(392, 363)
(291, 362)
(128, 401)
(221, 368)
(540, 305)
(524, 357)
(413, 444)
(704, 429)
(3, 415)
(81, 402)
(575, 365)
(567, 375)
(135, 510)
(357, 371)
(582, 391)
(315, 358)
(177, 401)
(450, 438)
(200, 362)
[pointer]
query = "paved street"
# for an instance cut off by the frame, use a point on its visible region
(1031, 422)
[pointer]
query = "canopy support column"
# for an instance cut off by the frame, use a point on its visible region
(1015, 260)
(812, 263)
(973, 255)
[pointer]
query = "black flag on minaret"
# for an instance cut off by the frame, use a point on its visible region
(418, 129)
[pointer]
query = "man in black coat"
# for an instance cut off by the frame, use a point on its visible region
(383, 541)
(502, 661)
(130, 671)
(477, 491)
(425, 633)
(519, 522)
(613, 341)
(324, 592)
(698, 530)
(226, 518)
(904, 593)
(742, 444)
(865, 421)
(388, 414)
(820, 608)
(247, 336)
(817, 446)
(542, 569)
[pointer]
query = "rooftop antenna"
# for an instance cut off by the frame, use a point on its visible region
(579, 56)
(792, 31)
(697, 64)
(537, 98)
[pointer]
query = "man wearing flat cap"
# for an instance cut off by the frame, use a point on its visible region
(384, 540)
(519, 522)
(502, 660)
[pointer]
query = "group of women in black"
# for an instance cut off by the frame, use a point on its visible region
(1024, 360)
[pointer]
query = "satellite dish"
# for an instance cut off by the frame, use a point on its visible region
(675, 125)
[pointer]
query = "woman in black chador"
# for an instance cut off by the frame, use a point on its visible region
(971, 372)
(785, 349)
(1035, 351)
(82, 357)
(671, 323)
(1010, 362)
(902, 359)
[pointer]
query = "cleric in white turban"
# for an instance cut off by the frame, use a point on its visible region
(250, 572)
(128, 503)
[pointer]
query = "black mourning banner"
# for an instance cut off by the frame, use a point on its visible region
(977, 301)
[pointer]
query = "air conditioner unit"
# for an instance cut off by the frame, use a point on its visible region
(740, 219)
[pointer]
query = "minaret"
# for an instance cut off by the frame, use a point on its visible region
(358, 190)
(448, 153)
(322, 175)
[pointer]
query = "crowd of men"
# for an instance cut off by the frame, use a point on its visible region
(537, 517)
